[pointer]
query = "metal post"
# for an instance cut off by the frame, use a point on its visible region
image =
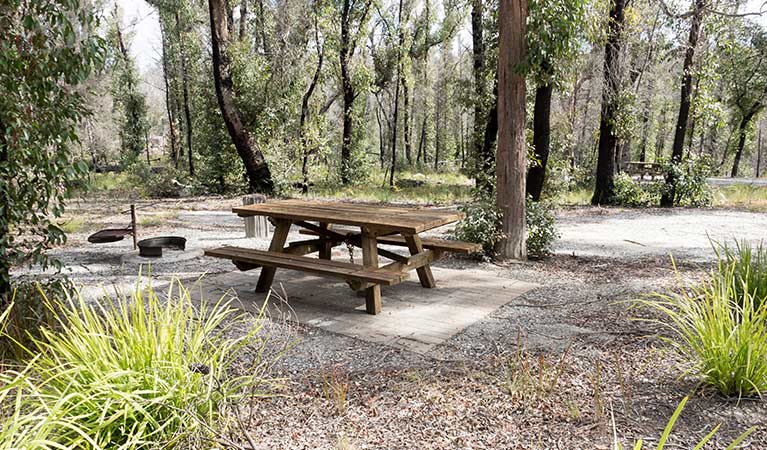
(133, 226)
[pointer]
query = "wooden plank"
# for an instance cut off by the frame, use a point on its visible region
(338, 269)
(281, 230)
(445, 245)
(370, 260)
(402, 219)
(424, 272)
(415, 261)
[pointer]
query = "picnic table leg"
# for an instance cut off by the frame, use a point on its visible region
(415, 246)
(326, 247)
(370, 259)
(281, 230)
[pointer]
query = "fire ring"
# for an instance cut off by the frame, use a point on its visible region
(152, 247)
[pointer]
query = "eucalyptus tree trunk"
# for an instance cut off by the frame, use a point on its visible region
(406, 121)
(256, 168)
(608, 141)
(742, 132)
(185, 84)
(541, 140)
(305, 112)
(5, 260)
(344, 55)
(512, 149)
(168, 104)
(680, 131)
(482, 159)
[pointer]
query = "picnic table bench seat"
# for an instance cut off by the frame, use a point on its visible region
(350, 272)
(441, 245)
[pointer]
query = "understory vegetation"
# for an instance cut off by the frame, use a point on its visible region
(144, 371)
(719, 324)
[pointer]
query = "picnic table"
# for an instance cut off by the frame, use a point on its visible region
(367, 226)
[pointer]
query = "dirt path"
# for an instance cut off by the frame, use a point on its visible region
(545, 371)
(631, 233)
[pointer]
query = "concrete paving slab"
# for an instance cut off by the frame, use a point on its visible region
(413, 318)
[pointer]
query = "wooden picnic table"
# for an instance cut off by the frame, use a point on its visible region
(377, 224)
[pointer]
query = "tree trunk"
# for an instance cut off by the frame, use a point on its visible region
(646, 113)
(344, 55)
(660, 138)
(168, 107)
(742, 128)
(243, 18)
(305, 111)
(677, 148)
(406, 122)
(512, 149)
(608, 141)
(5, 238)
(185, 82)
(759, 153)
(541, 140)
(478, 50)
(256, 168)
(422, 142)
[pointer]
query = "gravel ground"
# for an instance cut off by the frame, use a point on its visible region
(555, 369)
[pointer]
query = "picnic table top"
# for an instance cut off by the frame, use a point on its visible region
(394, 218)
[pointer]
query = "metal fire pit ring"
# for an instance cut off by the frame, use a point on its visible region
(152, 247)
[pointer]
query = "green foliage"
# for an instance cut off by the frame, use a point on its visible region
(749, 265)
(692, 188)
(132, 373)
(690, 176)
(554, 33)
(483, 226)
(130, 104)
(48, 49)
(541, 229)
(632, 194)
(639, 445)
(720, 327)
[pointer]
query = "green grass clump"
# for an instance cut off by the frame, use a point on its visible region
(721, 329)
(749, 263)
(130, 373)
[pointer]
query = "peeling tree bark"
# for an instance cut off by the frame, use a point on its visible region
(512, 149)
(256, 168)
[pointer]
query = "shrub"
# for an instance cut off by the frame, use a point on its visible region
(639, 445)
(629, 193)
(723, 336)
(130, 374)
(483, 226)
(541, 229)
(690, 175)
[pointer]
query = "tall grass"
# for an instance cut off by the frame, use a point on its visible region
(128, 373)
(749, 263)
(720, 328)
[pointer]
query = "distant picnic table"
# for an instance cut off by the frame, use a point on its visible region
(371, 225)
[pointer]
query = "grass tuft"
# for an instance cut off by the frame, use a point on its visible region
(130, 373)
(720, 328)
